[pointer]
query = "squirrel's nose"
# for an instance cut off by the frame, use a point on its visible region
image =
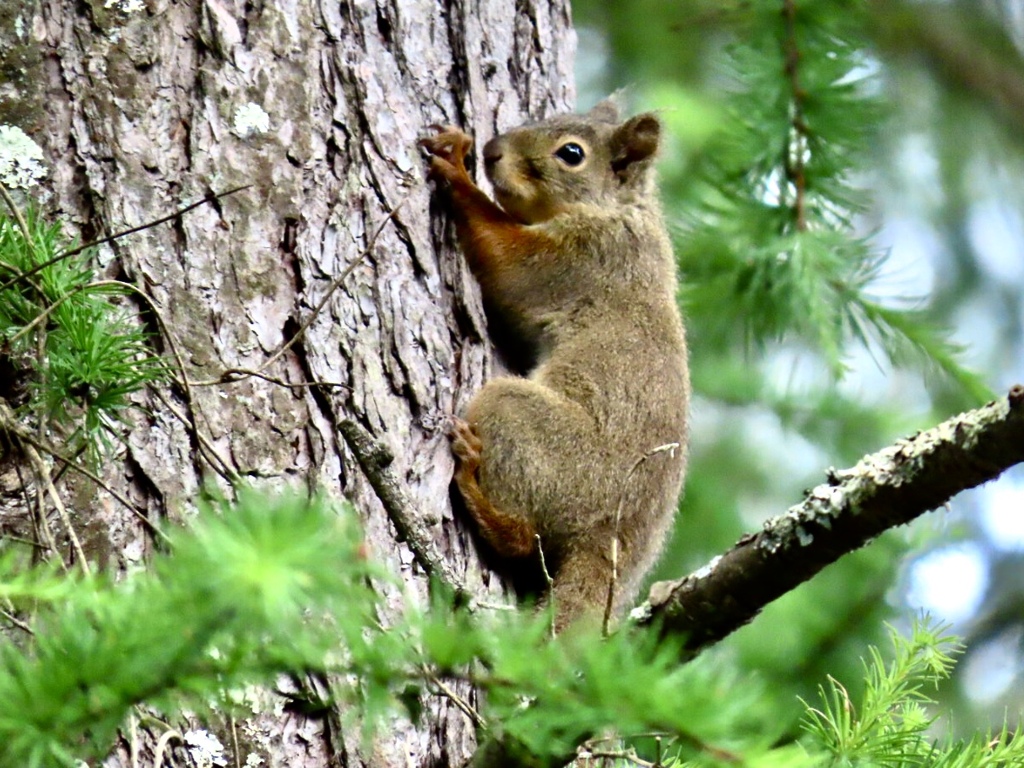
(492, 152)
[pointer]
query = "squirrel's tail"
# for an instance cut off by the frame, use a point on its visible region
(581, 589)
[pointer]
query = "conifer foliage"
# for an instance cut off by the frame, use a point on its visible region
(282, 586)
(772, 249)
(71, 354)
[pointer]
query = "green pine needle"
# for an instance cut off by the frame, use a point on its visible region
(93, 356)
(770, 255)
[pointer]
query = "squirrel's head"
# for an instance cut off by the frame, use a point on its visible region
(541, 169)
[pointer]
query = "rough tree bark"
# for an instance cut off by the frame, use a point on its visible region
(145, 107)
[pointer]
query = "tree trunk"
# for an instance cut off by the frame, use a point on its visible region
(146, 107)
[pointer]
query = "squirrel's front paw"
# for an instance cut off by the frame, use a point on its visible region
(465, 445)
(448, 149)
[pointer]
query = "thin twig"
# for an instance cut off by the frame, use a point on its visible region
(17, 622)
(629, 755)
(793, 153)
(492, 606)
(191, 422)
(78, 249)
(44, 481)
(165, 331)
(468, 709)
(231, 375)
(44, 528)
(547, 576)
(335, 284)
(43, 477)
(22, 225)
(133, 741)
(669, 448)
(31, 503)
(220, 466)
(21, 539)
(28, 440)
(161, 745)
(234, 742)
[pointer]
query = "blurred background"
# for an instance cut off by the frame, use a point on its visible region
(845, 181)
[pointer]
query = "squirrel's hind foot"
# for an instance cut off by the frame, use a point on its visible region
(466, 446)
(510, 535)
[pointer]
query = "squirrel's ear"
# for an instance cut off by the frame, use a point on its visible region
(635, 140)
(605, 111)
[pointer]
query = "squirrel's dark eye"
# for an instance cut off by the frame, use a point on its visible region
(571, 153)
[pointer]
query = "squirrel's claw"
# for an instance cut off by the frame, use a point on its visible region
(466, 446)
(450, 144)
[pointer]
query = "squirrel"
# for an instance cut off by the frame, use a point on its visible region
(582, 461)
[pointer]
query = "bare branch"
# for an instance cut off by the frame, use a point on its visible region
(117, 235)
(884, 490)
(376, 459)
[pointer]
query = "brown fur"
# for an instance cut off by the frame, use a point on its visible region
(577, 261)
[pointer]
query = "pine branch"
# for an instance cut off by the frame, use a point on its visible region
(885, 489)
(794, 159)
